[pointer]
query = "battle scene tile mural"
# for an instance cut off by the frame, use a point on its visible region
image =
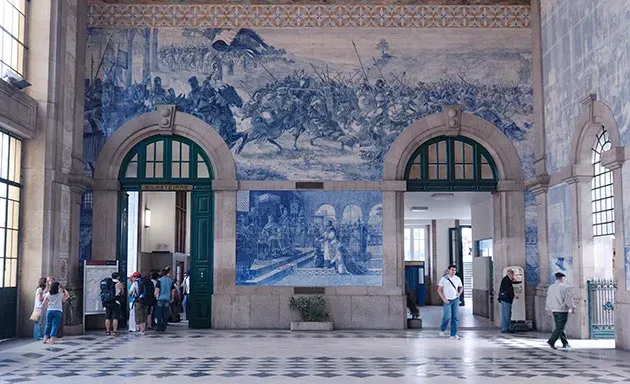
(295, 238)
(309, 103)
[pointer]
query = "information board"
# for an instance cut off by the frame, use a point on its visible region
(93, 272)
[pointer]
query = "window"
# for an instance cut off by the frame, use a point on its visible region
(415, 244)
(602, 188)
(165, 159)
(10, 195)
(12, 37)
(451, 164)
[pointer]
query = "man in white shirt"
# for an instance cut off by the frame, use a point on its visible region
(186, 292)
(559, 304)
(450, 288)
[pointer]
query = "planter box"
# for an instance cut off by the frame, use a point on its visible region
(311, 326)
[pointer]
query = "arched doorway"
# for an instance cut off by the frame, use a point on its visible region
(455, 151)
(166, 150)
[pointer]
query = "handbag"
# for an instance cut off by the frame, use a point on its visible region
(37, 313)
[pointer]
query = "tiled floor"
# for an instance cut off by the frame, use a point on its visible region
(432, 318)
(182, 355)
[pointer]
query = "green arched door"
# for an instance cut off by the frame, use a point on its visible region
(171, 163)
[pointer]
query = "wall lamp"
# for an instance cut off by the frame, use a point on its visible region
(147, 217)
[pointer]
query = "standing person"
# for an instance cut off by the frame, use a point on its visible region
(165, 298)
(151, 318)
(112, 299)
(506, 298)
(186, 292)
(559, 304)
(38, 308)
(54, 300)
(139, 308)
(450, 288)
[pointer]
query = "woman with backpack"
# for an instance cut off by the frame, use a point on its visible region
(54, 300)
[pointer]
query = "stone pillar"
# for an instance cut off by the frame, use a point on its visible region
(56, 68)
(580, 186)
(509, 233)
(615, 160)
(539, 186)
(104, 222)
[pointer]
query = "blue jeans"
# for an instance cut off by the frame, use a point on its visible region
(53, 321)
(162, 314)
(450, 314)
(38, 327)
(185, 305)
(506, 316)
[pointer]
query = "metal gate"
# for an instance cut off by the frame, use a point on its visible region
(601, 308)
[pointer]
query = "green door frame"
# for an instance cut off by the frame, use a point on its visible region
(202, 214)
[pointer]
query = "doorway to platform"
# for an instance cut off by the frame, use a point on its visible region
(165, 216)
(439, 231)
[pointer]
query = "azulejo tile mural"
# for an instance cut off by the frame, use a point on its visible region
(294, 238)
(309, 103)
(311, 15)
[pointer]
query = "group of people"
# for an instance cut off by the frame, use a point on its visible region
(48, 310)
(559, 304)
(153, 300)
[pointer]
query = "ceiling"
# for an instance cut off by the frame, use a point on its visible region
(457, 208)
(321, 2)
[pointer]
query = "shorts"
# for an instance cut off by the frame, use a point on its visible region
(112, 311)
(141, 311)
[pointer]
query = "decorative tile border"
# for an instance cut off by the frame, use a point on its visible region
(276, 16)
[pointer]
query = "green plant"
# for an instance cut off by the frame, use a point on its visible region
(310, 308)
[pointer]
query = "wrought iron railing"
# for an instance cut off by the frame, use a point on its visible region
(601, 308)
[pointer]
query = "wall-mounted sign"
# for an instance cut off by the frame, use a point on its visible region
(166, 187)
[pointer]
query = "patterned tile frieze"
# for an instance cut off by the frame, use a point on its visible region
(285, 15)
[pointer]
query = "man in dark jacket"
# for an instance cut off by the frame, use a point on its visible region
(506, 297)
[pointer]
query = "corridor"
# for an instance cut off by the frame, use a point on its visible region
(258, 356)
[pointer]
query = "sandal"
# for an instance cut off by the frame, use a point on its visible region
(107, 333)
(116, 333)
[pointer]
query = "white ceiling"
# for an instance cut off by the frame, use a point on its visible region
(457, 208)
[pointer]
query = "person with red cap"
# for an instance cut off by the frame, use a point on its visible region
(139, 309)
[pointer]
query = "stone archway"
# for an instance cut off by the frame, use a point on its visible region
(508, 200)
(165, 121)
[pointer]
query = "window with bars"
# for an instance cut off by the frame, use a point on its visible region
(602, 188)
(165, 159)
(451, 163)
(10, 198)
(12, 37)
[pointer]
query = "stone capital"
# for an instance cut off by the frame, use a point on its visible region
(510, 185)
(106, 185)
(79, 183)
(614, 158)
(579, 173)
(538, 184)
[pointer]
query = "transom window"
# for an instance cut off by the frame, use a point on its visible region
(164, 159)
(12, 37)
(10, 196)
(602, 188)
(451, 163)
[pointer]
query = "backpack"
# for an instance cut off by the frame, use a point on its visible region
(108, 291)
(147, 292)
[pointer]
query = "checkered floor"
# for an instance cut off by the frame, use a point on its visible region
(335, 357)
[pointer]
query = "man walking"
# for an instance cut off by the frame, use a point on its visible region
(450, 288)
(506, 298)
(165, 297)
(559, 305)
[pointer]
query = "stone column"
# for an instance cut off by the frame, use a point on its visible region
(509, 233)
(540, 186)
(105, 219)
(56, 68)
(615, 160)
(580, 185)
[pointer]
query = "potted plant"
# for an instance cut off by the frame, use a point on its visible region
(312, 311)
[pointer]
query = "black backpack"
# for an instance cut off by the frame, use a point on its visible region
(147, 292)
(108, 291)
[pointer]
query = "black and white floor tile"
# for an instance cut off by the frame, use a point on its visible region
(335, 357)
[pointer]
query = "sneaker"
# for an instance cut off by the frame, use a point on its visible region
(142, 333)
(441, 334)
(456, 337)
(566, 347)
